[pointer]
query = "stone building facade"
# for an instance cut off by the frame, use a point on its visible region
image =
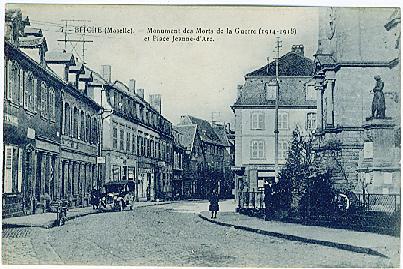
(137, 141)
(356, 45)
(39, 132)
(254, 112)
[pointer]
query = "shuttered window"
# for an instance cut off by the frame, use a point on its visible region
(8, 170)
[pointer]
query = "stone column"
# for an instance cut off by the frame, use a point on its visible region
(330, 102)
(319, 98)
(70, 180)
(43, 172)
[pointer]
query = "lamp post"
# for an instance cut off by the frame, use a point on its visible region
(276, 168)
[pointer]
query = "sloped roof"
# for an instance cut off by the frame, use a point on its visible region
(32, 31)
(31, 42)
(57, 57)
(189, 133)
(290, 64)
(222, 135)
(205, 130)
(78, 68)
(291, 93)
(86, 76)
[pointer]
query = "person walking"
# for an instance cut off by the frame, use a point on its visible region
(214, 207)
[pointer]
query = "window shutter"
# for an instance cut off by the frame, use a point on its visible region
(19, 178)
(10, 81)
(35, 93)
(26, 91)
(21, 87)
(261, 149)
(261, 121)
(8, 171)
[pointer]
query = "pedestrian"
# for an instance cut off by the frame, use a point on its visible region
(268, 199)
(95, 197)
(214, 207)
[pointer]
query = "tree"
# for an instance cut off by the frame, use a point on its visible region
(305, 181)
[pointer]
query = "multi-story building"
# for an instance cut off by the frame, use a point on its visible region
(210, 160)
(177, 166)
(224, 133)
(38, 131)
(193, 160)
(80, 131)
(255, 115)
(136, 138)
(357, 45)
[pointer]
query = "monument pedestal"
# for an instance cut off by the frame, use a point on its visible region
(379, 164)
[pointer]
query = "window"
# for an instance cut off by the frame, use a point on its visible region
(310, 92)
(139, 138)
(94, 131)
(128, 141)
(12, 181)
(115, 137)
(87, 129)
(75, 122)
(21, 87)
(283, 120)
(270, 89)
(27, 90)
(311, 121)
(116, 173)
(67, 114)
(82, 128)
(52, 107)
(34, 94)
(30, 92)
(133, 144)
(122, 139)
(257, 120)
(13, 90)
(283, 149)
(43, 108)
(257, 149)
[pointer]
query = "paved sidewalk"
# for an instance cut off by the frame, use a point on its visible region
(361, 242)
(48, 220)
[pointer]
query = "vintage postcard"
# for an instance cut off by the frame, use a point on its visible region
(201, 136)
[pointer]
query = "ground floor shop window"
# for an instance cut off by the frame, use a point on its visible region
(12, 175)
(116, 173)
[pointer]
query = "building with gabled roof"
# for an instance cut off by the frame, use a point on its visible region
(208, 150)
(254, 111)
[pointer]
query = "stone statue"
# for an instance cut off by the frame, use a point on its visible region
(378, 103)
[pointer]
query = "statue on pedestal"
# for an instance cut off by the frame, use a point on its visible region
(378, 103)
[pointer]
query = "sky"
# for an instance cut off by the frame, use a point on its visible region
(194, 78)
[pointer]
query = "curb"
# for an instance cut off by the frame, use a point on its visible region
(289, 237)
(53, 223)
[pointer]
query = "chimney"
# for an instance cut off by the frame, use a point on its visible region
(140, 92)
(298, 49)
(155, 102)
(132, 86)
(106, 72)
(239, 91)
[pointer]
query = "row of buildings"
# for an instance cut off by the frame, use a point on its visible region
(69, 129)
(331, 98)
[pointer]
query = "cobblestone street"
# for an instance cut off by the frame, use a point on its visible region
(166, 235)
